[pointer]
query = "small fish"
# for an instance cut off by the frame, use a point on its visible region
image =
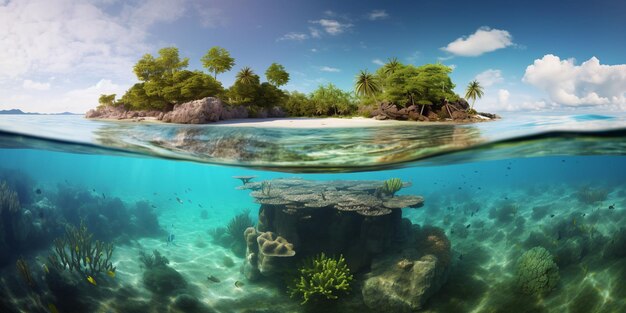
(508, 167)
(200, 205)
(76, 249)
(154, 206)
(179, 201)
(170, 239)
(306, 217)
(103, 196)
(468, 225)
(91, 280)
(612, 206)
(551, 215)
(584, 214)
(239, 284)
(111, 274)
(38, 191)
(45, 268)
(52, 308)
(87, 259)
(214, 279)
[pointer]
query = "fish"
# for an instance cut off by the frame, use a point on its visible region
(212, 278)
(200, 205)
(154, 206)
(52, 308)
(38, 191)
(239, 284)
(612, 206)
(551, 215)
(45, 268)
(91, 281)
(76, 249)
(170, 239)
(111, 274)
(468, 225)
(179, 201)
(87, 259)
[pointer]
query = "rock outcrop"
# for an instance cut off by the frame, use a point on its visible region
(203, 111)
(456, 111)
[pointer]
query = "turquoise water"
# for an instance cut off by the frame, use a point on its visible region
(494, 192)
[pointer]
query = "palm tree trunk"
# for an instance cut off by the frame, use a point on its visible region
(422, 110)
(473, 101)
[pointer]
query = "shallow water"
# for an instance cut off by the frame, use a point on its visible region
(510, 188)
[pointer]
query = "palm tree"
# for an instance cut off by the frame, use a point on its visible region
(366, 84)
(392, 66)
(474, 90)
(245, 76)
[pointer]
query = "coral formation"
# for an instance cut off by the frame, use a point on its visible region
(154, 260)
(537, 274)
(588, 195)
(245, 179)
(322, 278)
(158, 277)
(272, 249)
(77, 251)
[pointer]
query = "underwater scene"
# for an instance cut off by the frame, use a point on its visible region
(492, 217)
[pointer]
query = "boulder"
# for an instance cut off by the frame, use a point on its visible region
(230, 112)
(200, 111)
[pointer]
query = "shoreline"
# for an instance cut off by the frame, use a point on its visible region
(300, 122)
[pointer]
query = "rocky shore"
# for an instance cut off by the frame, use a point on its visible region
(211, 110)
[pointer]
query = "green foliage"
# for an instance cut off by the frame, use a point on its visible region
(537, 273)
(246, 76)
(474, 90)
(277, 75)
(425, 85)
(330, 100)
(298, 104)
(77, 251)
(322, 277)
(391, 186)
(218, 60)
(366, 85)
(269, 96)
(107, 100)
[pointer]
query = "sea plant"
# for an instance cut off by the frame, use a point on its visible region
(238, 224)
(77, 251)
(24, 271)
(590, 195)
(321, 277)
(154, 260)
(391, 186)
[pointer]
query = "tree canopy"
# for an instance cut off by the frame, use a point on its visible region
(277, 75)
(218, 60)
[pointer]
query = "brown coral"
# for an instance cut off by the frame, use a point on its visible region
(275, 246)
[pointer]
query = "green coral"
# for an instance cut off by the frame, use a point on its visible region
(391, 186)
(77, 251)
(322, 277)
(537, 273)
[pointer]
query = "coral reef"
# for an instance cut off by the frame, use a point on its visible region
(537, 274)
(588, 195)
(77, 251)
(244, 179)
(391, 186)
(154, 260)
(158, 277)
(272, 249)
(322, 278)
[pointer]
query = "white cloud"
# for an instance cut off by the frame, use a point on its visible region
(332, 27)
(589, 83)
(377, 15)
(65, 36)
(293, 36)
(33, 85)
(378, 62)
(489, 77)
(313, 50)
(329, 69)
(482, 41)
(413, 57)
(81, 100)
(503, 97)
(315, 33)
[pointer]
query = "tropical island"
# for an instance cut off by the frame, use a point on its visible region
(167, 91)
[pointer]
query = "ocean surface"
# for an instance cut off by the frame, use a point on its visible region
(524, 214)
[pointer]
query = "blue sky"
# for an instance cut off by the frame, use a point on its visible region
(59, 55)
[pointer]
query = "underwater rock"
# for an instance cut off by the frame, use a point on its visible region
(163, 280)
(537, 274)
(403, 288)
(251, 268)
(403, 281)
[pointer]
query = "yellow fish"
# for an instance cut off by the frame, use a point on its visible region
(52, 308)
(111, 274)
(87, 259)
(45, 269)
(76, 248)
(91, 280)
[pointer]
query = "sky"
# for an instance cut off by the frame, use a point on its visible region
(60, 55)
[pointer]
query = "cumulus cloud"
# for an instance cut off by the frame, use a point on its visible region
(378, 62)
(377, 15)
(329, 69)
(589, 83)
(489, 77)
(55, 36)
(503, 96)
(332, 27)
(294, 36)
(33, 85)
(482, 41)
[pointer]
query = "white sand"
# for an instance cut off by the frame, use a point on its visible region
(305, 122)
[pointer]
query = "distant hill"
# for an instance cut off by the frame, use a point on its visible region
(20, 112)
